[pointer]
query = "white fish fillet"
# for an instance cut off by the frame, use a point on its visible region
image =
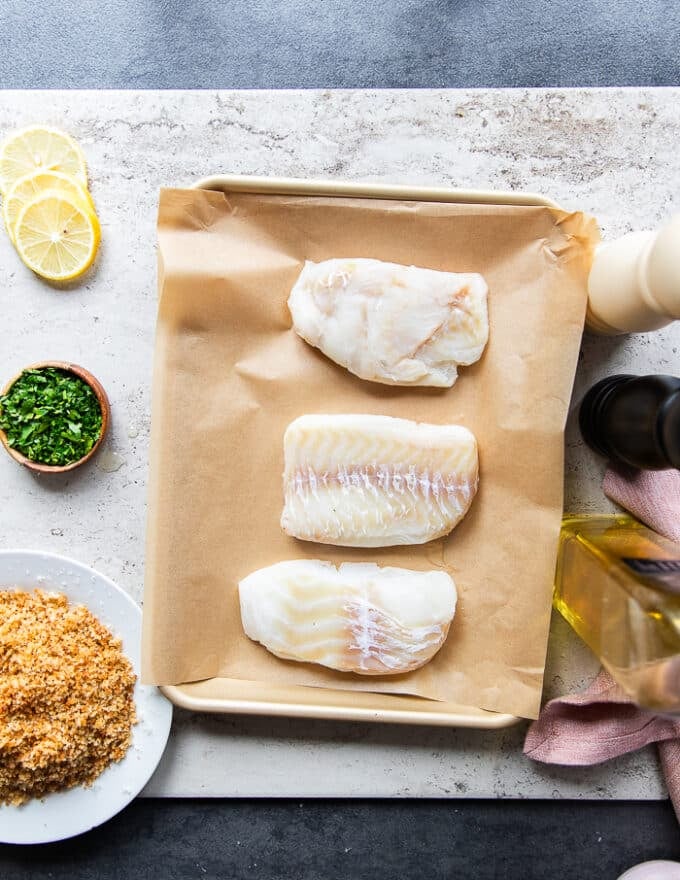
(375, 481)
(400, 325)
(358, 618)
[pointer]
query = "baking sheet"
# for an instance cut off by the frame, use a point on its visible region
(226, 355)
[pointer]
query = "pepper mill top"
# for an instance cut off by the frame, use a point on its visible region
(634, 420)
(634, 282)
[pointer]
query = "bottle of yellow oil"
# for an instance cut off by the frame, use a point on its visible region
(618, 585)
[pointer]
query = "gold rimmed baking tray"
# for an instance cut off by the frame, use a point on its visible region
(226, 695)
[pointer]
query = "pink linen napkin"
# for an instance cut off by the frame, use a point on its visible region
(651, 496)
(599, 724)
(602, 723)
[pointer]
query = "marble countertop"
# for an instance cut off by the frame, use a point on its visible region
(612, 153)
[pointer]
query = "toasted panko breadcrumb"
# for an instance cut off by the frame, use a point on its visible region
(66, 696)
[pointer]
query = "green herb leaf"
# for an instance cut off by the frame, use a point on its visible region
(51, 416)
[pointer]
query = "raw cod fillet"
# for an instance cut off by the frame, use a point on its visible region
(355, 618)
(399, 325)
(375, 481)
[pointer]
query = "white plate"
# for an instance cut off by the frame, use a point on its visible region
(65, 814)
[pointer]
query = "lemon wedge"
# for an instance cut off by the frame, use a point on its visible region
(40, 149)
(31, 185)
(57, 236)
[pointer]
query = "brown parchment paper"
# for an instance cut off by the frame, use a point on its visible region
(230, 374)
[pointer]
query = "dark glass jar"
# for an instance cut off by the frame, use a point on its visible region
(634, 420)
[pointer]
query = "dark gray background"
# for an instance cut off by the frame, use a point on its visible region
(337, 43)
(364, 840)
(362, 44)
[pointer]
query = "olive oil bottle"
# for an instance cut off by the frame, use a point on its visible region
(618, 585)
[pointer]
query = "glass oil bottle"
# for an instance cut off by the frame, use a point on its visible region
(618, 585)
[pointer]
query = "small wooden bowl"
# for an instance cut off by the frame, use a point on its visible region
(102, 399)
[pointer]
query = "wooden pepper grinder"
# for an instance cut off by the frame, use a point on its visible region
(634, 282)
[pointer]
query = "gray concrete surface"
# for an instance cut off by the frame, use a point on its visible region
(413, 840)
(610, 153)
(337, 43)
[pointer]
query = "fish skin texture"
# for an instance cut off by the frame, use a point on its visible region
(375, 481)
(399, 325)
(356, 618)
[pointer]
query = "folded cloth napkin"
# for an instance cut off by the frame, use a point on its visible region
(652, 496)
(602, 723)
(599, 724)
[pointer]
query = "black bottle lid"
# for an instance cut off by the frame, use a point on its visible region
(634, 420)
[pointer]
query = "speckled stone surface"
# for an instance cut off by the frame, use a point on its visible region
(611, 152)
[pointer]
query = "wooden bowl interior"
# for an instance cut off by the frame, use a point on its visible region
(102, 399)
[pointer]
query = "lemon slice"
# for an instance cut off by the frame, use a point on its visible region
(40, 149)
(28, 187)
(56, 236)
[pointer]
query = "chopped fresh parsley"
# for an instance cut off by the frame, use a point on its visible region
(51, 416)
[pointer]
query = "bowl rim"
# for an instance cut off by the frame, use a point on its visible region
(104, 405)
